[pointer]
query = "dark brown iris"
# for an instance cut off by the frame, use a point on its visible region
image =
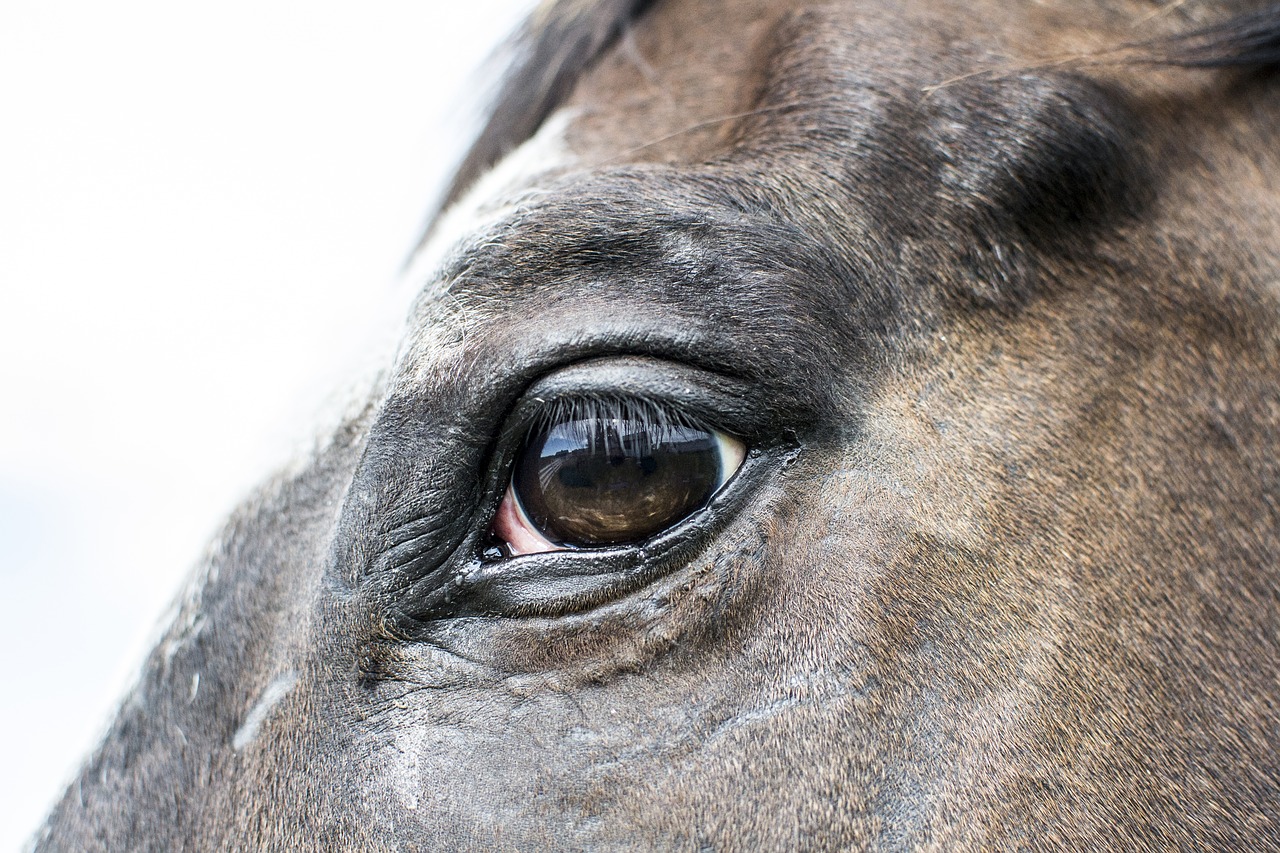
(609, 481)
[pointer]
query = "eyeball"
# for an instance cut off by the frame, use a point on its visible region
(605, 473)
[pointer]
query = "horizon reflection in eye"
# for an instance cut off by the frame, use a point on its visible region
(593, 479)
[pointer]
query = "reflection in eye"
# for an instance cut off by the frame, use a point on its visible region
(595, 473)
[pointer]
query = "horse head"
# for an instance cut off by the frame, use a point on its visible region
(833, 425)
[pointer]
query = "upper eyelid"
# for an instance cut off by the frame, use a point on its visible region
(693, 395)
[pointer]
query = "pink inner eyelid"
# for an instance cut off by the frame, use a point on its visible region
(511, 526)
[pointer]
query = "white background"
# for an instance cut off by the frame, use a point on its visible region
(200, 209)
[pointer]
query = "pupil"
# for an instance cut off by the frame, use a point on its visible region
(608, 481)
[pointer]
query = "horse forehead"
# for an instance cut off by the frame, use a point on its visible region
(688, 83)
(710, 109)
(683, 83)
(697, 83)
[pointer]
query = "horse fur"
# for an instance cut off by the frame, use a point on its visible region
(992, 293)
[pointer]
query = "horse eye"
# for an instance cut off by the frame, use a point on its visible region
(599, 480)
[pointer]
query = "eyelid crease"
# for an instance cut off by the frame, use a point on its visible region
(653, 389)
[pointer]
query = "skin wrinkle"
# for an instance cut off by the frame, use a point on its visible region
(1000, 573)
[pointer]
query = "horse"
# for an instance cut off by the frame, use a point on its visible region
(833, 425)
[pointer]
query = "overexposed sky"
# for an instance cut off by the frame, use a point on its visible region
(201, 210)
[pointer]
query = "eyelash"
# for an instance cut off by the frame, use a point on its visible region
(656, 414)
